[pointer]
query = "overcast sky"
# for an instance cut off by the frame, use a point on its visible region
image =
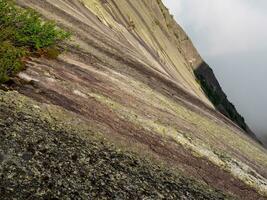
(231, 35)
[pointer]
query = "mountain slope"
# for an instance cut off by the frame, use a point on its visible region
(152, 25)
(127, 76)
(73, 162)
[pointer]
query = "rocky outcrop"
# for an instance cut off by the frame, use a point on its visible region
(120, 114)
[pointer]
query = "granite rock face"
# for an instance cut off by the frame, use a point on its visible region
(120, 114)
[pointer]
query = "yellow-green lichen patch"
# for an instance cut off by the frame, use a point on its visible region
(45, 156)
(240, 171)
(210, 130)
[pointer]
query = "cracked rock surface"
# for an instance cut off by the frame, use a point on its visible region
(40, 160)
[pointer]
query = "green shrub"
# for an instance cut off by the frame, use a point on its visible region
(36, 33)
(10, 60)
(51, 52)
(24, 33)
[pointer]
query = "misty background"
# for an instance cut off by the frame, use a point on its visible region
(231, 36)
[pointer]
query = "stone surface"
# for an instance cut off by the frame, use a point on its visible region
(125, 76)
(49, 161)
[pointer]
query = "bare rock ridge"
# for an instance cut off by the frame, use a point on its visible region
(120, 114)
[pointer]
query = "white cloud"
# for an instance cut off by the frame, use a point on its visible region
(224, 26)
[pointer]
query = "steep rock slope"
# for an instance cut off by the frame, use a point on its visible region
(125, 76)
(150, 23)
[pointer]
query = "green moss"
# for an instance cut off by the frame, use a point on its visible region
(10, 60)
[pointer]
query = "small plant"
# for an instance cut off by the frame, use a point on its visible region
(23, 33)
(10, 60)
